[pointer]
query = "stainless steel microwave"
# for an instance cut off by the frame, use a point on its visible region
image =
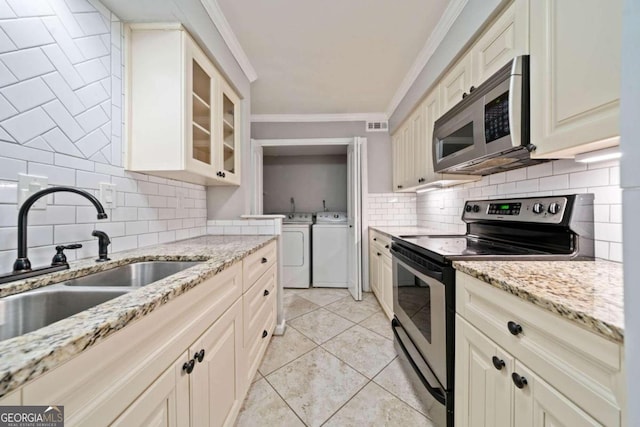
(488, 130)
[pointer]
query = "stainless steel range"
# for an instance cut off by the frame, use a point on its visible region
(540, 228)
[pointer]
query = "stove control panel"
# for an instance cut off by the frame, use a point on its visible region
(544, 210)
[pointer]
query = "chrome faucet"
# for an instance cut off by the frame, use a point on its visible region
(22, 265)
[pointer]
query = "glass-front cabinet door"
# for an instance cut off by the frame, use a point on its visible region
(230, 157)
(201, 109)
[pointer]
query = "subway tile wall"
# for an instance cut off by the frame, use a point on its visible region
(392, 209)
(442, 209)
(61, 97)
(221, 227)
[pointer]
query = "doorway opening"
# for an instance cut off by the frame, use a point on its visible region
(319, 185)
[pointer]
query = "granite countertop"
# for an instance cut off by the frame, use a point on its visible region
(589, 293)
(26, 357)
(397, 231)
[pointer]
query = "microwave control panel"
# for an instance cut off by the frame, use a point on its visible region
(496, 118)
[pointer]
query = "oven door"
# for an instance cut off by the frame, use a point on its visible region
(420, 307)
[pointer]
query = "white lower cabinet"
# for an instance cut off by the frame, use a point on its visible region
(165, 403)
(184, 364)
(520, 365)
(381, 271)
(216, 380)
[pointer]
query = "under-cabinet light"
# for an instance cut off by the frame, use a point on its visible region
(599, 155)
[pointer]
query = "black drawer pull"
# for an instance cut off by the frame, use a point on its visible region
(379, 253)
(199, 356)
(188, 366)
(498, 363)
(375, 240)
(386, 246)
(518, 380)
(514, 328)
(264, 334)
(264, 260)
(266, 292)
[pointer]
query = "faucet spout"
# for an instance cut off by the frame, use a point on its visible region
(22, 263)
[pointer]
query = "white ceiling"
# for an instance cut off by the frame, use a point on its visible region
(304, 150)
(330, 56)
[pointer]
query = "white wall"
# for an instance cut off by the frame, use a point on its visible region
(630, 180)
(61, 117)
(378, 144)
(308, 179)
(442, 209)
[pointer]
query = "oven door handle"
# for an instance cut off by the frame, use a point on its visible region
(421, 268)
(437, 391)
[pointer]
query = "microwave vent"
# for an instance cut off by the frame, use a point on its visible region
(380, 126)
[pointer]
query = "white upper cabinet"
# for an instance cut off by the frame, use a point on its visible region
(183, 117)
(455, 83)
(575, 75)
(505, 39)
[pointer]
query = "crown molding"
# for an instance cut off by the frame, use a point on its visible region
(449, 16)
(346, 117)
(217, 17)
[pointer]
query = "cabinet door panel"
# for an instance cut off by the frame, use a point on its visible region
(386, 285)
(575, 75)
(431, 114)
(540, 405)
(483, 393)
(455, 83)
(164, 404)
(507, 37)
(396, 155)
(374, 277)
(420, 153)
(229, 161)
(407, 156)
(216, 387)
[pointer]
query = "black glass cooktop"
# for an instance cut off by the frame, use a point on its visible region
(465, 247)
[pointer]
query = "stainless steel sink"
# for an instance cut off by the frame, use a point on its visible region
(28, 311)
(133, 275)
(35, 309)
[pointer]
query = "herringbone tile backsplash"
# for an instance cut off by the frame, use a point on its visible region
(61, 103)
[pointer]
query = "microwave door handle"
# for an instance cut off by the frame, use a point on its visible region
(435, 391)
(515, 102)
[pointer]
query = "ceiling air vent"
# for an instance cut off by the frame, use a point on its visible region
(382, 126)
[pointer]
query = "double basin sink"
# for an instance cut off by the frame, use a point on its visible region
(31, 310)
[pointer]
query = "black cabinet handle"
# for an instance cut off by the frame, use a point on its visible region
(464, 95)
(386, 246)
(266, 292)
(514, 328)
(264, 260)
(264, 334)
(188, 366)
(498, 363)
(375, 240)
(472, 88)
(199, 356)
(518, 380)
(399, 186)
(379, 253)
(224, 175)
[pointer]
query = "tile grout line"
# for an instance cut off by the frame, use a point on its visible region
(345, 403)
(285, 401)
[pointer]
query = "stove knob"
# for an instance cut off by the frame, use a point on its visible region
(467, 208)
(538, 208)
(476, 208)
(554, 208)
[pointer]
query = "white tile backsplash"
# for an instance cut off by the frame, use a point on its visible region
(61, 95)
(442, 209)
(392, 209)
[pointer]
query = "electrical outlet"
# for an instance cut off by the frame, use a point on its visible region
(107, 195)
(30, 184)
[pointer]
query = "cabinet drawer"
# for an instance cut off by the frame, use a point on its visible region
(257, 342)
(380, 242)
(257, 263)
(585, 367)
(256, 300)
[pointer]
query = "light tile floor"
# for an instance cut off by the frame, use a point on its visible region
(334, 366)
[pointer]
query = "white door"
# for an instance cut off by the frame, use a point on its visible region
(256, 178)
(354, 208)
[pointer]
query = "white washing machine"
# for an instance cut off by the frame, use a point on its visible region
(296, 250)
(330, 250)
